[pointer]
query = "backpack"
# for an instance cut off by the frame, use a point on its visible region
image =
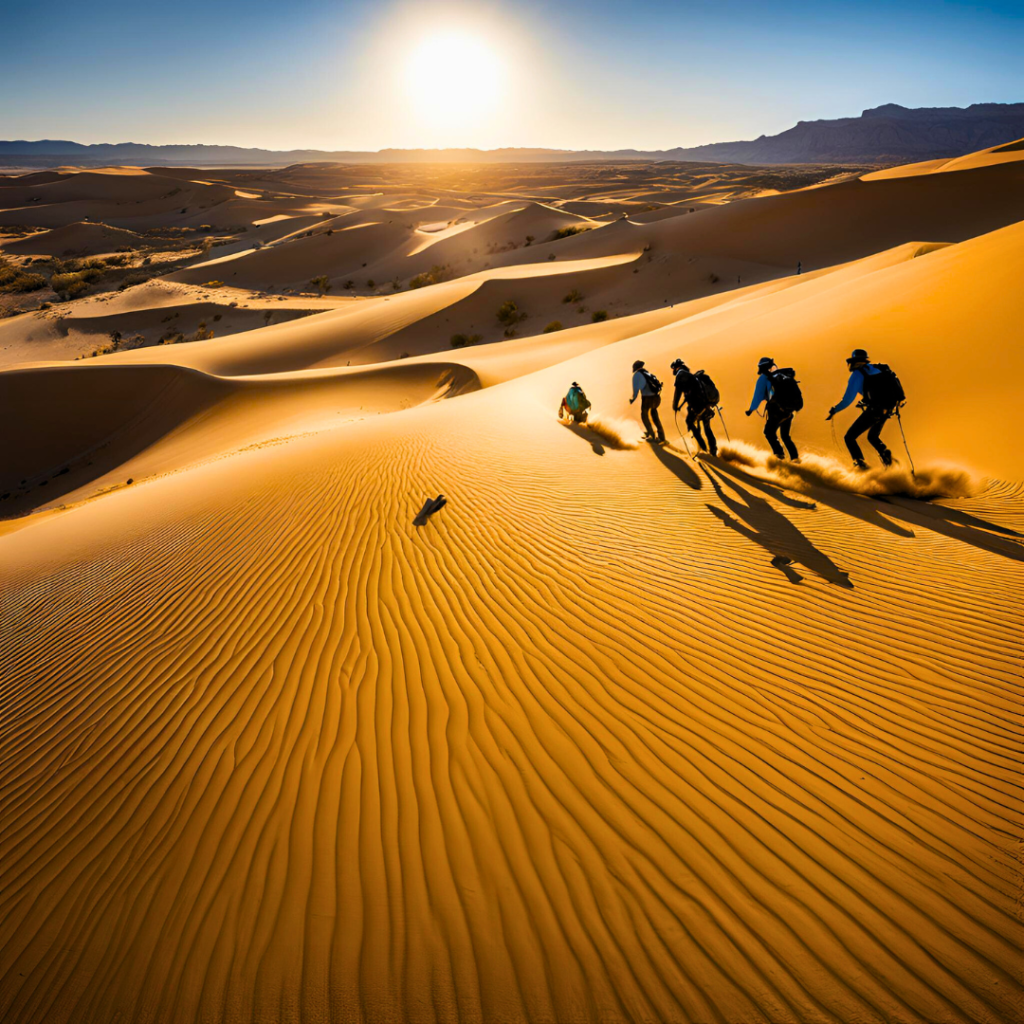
(786, 392)
(652, 382)
(576, 400)
(704, 389)
(883, 390)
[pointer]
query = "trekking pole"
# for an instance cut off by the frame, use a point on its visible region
(675, 413)
(724, 424)
(899, 420)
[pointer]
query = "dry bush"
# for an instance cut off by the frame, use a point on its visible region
(435, 275)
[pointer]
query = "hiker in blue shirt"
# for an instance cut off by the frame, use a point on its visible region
(877, 408)
(780, 390)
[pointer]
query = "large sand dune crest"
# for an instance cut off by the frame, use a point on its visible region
(616, 734)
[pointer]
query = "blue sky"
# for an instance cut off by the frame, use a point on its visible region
(336, 75)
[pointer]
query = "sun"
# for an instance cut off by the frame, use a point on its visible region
(453, 79)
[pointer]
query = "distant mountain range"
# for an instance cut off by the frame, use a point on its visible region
(888, 134)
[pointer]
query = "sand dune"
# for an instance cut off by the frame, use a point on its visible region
(80, 239)
(616, 734)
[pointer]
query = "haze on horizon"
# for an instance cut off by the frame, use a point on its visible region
(359, 75)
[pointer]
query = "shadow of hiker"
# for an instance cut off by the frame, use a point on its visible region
(957, 525)
(678, 464)
(581, 431)
(759, 522)
(773, 490)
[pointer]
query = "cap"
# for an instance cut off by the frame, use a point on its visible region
(638, 365)
(858, 355)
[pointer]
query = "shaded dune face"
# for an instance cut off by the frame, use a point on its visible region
(615, 734)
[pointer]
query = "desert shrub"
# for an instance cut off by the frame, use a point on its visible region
(202, 334)
(76, 288)
(396, 285)
(551, 255)
(509, 314)
(713, 278)
(217, 316)
(435, 275)
(574, 296)
(133, 279)
(462, 340)
(117, 261)
(212, 284)
(14, 279)
(349, 285)
(321, 284)
(573, 229)
(258, 243)
(555, 325)
(371, 283)
(598, 315)
(329, 232)
(529, 239)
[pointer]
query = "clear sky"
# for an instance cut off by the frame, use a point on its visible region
(371, 74)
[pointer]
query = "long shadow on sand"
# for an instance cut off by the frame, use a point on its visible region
(881, 510)
(759, 522)
(676, 462)
(957, 525)
(859, 506)
(588, 435)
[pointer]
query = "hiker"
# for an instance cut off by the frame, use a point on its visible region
(701, 396)
(882, 395)
(575, 406)
(648, 387)
(780, 391)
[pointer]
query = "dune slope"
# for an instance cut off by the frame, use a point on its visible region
(614, 735)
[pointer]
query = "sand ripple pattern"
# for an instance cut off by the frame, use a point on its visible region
(288, 757)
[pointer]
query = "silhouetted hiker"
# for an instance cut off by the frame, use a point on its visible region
(780, 390)
(575, 406)
(882, 395)
(648, 387)
(701, 396)
(799, 267)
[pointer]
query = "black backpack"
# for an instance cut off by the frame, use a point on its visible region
(786, 392)
(705, 390)
(883, 390)
(652, 382)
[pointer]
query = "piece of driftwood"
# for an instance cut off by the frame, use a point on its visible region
(430, 506)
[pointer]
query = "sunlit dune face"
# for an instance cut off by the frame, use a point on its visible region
(453, 79)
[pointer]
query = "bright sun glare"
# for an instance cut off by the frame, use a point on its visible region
(453, 79)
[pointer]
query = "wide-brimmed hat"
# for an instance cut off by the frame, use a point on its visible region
(677, 364)
(858, 355)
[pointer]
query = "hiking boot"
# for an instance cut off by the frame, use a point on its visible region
(887, 459)
(860, 464)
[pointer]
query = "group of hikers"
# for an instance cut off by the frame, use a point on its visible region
(879, 389)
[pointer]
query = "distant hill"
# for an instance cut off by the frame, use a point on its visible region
(887, 134)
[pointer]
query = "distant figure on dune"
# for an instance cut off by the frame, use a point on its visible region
(575, 406)
(780, 391)
(799, 266)
(882, 395)
(701, 396)
(648, 387)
